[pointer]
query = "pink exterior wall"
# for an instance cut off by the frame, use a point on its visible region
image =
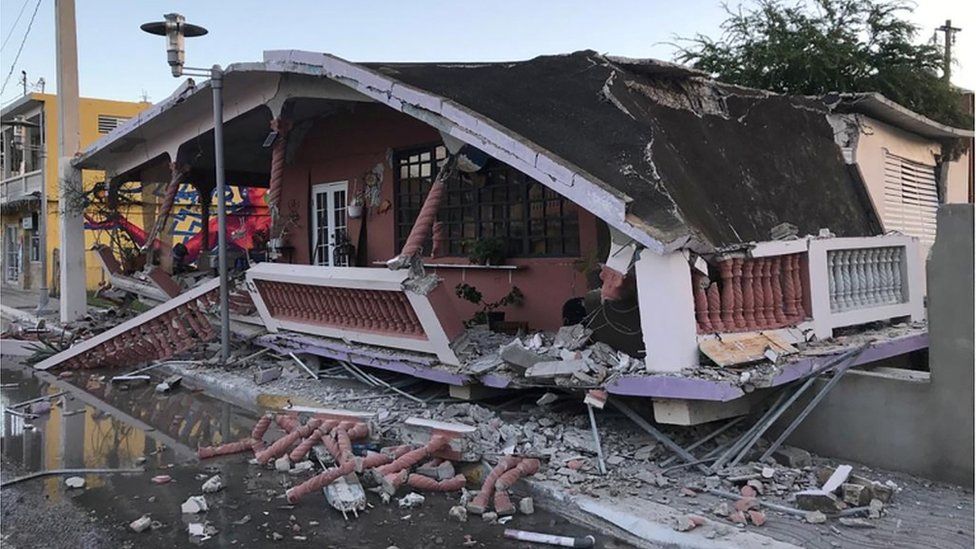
(344, 146)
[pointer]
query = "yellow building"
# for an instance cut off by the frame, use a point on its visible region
(21, 148)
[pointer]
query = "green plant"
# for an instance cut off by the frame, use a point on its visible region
(487, 251)
(825, 46)
(469, 293)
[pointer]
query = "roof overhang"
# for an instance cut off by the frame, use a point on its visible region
(163, 129)
(881, 108)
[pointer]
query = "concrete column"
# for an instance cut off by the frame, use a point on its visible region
(667, 311)
(72, 243)
(73, 298)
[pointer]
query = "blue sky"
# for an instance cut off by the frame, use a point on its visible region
(118, 61)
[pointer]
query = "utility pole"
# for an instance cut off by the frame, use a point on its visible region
(72, 227)
(949, 36)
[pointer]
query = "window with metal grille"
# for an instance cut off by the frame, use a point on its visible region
(496, 202)
(35, 245)
(107, 122)
(911, 198)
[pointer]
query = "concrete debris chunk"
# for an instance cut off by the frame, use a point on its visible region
(837, 478)
(572, 337)
(301, 467)
(194, 505)
(485, 364)
(442, 471)
(490, 516)
(685, 523)
(555, 368)
(266, 375)
(213, 484)
(790, 456)
(458, 513)
(282, 464)
(517, 355)
(526, 506)
(818, 500)
(74, 482)
(857, 495)
(815, 517)
(169, 384)
(547, 399)
(141, 524)
(412, 499)
(346, 494)
(874, 508)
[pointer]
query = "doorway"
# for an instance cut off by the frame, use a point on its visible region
(330, 242)
(11, 253)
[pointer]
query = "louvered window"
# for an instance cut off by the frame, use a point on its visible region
(107, 123)
(911, 198)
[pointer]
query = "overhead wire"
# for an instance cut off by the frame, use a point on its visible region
(14, 26)
(30, 25)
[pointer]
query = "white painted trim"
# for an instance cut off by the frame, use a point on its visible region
(824, 321)
(436, 341)
(779, 247)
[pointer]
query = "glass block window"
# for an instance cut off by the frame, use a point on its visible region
(496, 202)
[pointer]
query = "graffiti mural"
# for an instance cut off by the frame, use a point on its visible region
(248, 219)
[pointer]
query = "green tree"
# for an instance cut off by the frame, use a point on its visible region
(814, 48)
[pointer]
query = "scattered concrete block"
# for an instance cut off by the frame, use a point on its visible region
(757, 517)
(815, 517)
(874, 508)
(817, 500)
(685, 523)
(490, 516)
(485, 364)
(267, 375)
(413, 499)
(301, 467)
(74, 482)
(555, 368)
(213, 484)
(194, 505)
(282, 464)
(141, 524)
(458, 513)
(838, 477)
(857, 495)
(346, 494)
(526, 506)
(443, 471)
(572, 337)
(790, 456)
(517, 355)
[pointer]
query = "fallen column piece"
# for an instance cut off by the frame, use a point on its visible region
(526, 467)
(411, 458)
(242, 445)
(503, 503)
(282, 445)
(346, 494)
(305, 446)
(480, 502)
(261, 427)
(372, 460)
(319, 481)
(427, 484)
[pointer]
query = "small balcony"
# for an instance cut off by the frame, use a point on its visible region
(20, 187)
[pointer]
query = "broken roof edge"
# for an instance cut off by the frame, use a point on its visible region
(447, 116)
(878, 106)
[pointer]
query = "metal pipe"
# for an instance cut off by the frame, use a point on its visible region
(596, 440)
(68, 472)
(217, 84)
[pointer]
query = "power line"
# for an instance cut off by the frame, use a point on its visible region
(30, 24)
(14, 26)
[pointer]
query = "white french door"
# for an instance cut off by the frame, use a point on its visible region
(329, 234)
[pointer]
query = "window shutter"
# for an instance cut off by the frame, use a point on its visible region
(107, 123)
(910, 198)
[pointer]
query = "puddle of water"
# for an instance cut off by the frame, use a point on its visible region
(79, 434)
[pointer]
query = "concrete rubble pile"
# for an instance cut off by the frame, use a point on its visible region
(564, 359)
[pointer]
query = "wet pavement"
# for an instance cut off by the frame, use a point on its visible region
(135, 422)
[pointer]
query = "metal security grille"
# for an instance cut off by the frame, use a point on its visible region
(910, 198)
(107, 123)
(496, 202)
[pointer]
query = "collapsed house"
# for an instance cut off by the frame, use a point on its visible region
(634, 222)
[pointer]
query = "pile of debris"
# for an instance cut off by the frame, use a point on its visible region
(564, 359)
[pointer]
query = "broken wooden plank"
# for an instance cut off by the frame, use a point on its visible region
(743, 348)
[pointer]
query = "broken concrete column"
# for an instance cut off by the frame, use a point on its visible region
(282, 445)
(319, 481)
(427, 484)
(225, 449)
(479, 504)
(667, 311)
(526, 467)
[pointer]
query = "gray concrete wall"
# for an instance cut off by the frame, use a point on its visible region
(887, 418)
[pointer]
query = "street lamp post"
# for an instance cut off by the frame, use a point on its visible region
(175, 28)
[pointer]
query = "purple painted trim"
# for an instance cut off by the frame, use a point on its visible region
(674, 387)
(878, 350)
(496, 381)
(395, 363)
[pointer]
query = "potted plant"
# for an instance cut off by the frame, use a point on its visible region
(487, 251)
(488, 314)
